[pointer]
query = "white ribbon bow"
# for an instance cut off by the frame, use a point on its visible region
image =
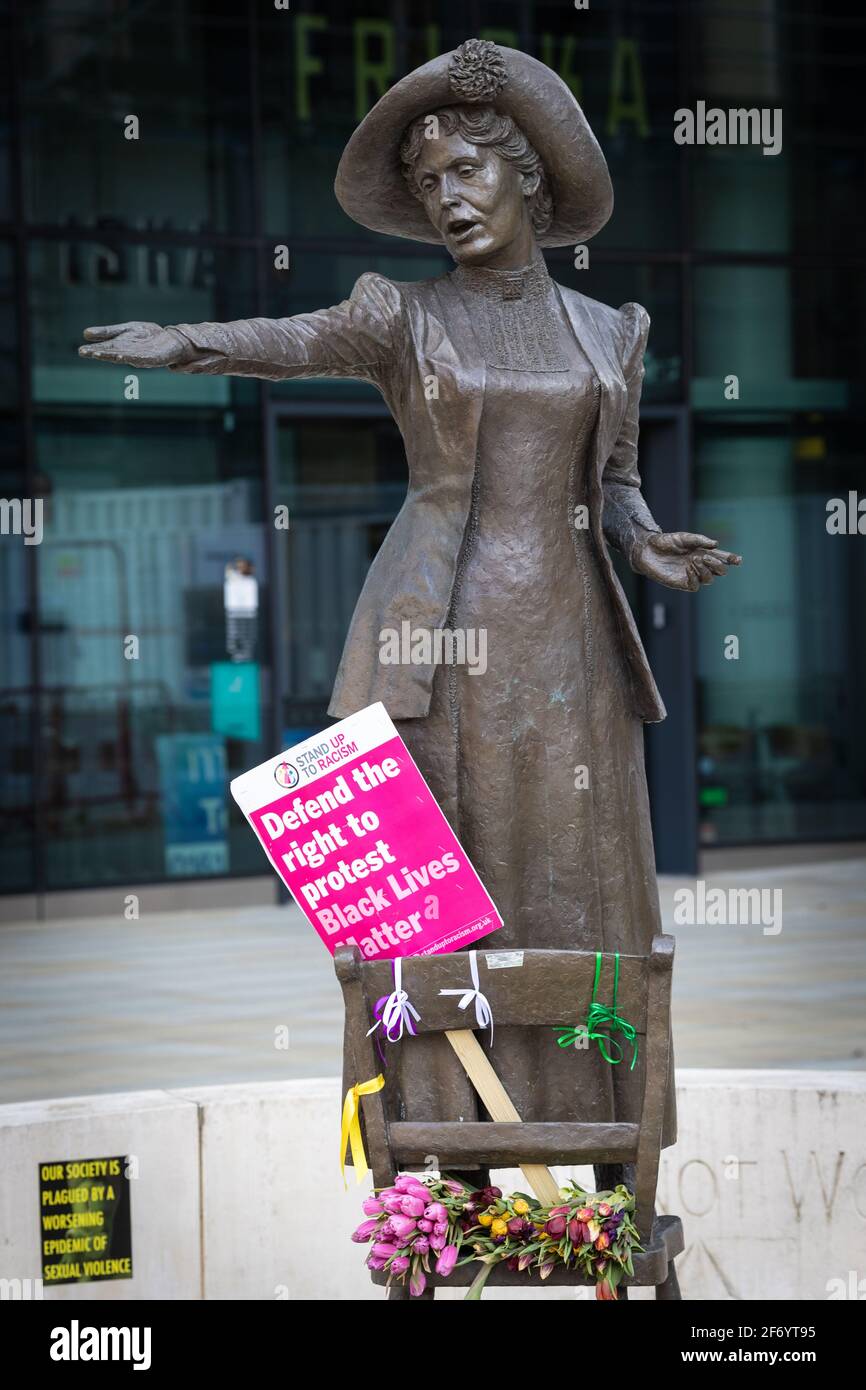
(397, 1010)
(483, 1011)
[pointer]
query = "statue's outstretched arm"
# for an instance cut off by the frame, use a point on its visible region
(359, 338)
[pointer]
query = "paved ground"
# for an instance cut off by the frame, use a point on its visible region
(193, 998)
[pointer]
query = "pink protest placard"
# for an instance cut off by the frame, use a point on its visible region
(354, 832)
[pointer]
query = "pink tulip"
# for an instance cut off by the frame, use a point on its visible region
(371, 1206)
(420, 1245)
(374, 1262)
(399, 1265)
(394, 1205)
(413, 1206)
(437, 1242)
(436, 1212)
(417, 1282)
(453, 1186)
(365, 1231)
(441, 1228)
(426, 1226)
(383, 1250)
(411, 1187)
(386, 1231)
(447, 1260)
(403, 1226)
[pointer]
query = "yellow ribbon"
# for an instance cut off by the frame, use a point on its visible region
(350, 1131)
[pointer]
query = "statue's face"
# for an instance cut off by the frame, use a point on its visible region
(473, 197)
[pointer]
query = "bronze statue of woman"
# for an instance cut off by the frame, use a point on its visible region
(518, 403)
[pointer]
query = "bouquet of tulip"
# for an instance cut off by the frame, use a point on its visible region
(413, 1222)
(438, 1218)
(594, 1233)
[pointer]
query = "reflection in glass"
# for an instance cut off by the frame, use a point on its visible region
(153, 485)
(138, 737)
(140, 115)
(17, 863)
(780, 655)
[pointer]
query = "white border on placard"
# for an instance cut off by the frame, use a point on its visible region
(368, 728)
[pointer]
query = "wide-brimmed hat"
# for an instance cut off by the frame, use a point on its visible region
(370, 185)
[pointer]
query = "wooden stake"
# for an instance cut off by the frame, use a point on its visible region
(479, 1069)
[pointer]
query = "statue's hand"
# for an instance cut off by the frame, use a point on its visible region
(682, 560)
(137, 344)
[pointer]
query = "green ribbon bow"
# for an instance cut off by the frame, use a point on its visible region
(601, 1018)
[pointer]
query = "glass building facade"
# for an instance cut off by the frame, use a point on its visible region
(173, 160)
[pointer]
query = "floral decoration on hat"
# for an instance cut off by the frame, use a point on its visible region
(476, 71)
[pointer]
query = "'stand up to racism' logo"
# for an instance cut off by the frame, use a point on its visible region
(287, 775)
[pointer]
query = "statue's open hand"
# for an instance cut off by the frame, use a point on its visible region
(682, 560)
(137, 344)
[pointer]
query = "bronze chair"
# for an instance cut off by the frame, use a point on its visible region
(542, 991)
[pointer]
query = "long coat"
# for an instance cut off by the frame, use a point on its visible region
(415, 342)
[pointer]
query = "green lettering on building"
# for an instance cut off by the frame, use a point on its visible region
(370, 72)
(307, 65)
(627, 99)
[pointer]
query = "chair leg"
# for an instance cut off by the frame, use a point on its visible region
(670, 1289)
